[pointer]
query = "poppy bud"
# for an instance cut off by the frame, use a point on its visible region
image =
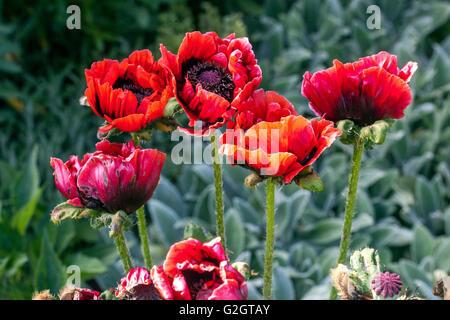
(252, 180)
(309, 180)
(376, 133)
(366, 264)
(349, 131)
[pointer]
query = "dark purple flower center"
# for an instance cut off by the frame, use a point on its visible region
(211, 76)
(128, 84)
(196, 281)
(143, 292)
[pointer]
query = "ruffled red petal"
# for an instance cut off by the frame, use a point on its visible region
(364, 91)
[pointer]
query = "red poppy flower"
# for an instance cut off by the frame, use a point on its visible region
(211, 76)
(128, 94)
(141, 284)
(201, 272)
(115, 177)
(261, 106)
(282, 148)
(364, 91)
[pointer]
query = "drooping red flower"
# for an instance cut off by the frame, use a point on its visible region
(128, 94)
(261, 106)
(282, 148)
(200, 271)
(141, 284)
(211, 76)
(364, 91)
(115, 177)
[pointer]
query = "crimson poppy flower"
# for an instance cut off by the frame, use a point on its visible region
(364, 91)
(141, 284)
(200, 271)
(261, 106)
(283, 148)
(211, 76)
(128, 94)
(115, 177)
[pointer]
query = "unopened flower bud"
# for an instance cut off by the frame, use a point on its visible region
(252, 180)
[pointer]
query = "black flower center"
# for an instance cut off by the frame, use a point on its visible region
(143, 292)
(128, 84)
(212, 77)
(196, 281)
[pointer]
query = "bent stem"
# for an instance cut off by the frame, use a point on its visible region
(218, 187)
(121, 245)
(270, 236)
(349, 207)
(142, 226)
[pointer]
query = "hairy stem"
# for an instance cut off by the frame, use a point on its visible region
(219, 190)
(121, 245)
(270, 238)
(142, 226)
(349, 207)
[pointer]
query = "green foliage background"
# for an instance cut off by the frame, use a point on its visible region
(403, 205)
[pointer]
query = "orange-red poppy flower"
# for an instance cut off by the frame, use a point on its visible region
(128, 94)
(364, 91)
(211, 76)
(283, 148)
(261, 106)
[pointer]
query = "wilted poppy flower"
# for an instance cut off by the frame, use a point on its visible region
(261, 106)
(201, 272)
(211, 76)
(282, 148)
(364, 91)
(115, 177)
(141, 284)
(128, 94)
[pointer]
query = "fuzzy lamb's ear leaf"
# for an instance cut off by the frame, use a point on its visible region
(193, 230)
(66, 210)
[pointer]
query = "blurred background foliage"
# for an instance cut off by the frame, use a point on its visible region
(403, 205)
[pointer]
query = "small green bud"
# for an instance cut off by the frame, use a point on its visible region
(309, 181)
(349, 131)
(252, 180)
(171, 108)
(376, 132)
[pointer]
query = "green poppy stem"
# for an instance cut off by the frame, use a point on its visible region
(121, 245)
(349, 207)
(142, 224)
(145, 247)
(270, 238)
(219, 190)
